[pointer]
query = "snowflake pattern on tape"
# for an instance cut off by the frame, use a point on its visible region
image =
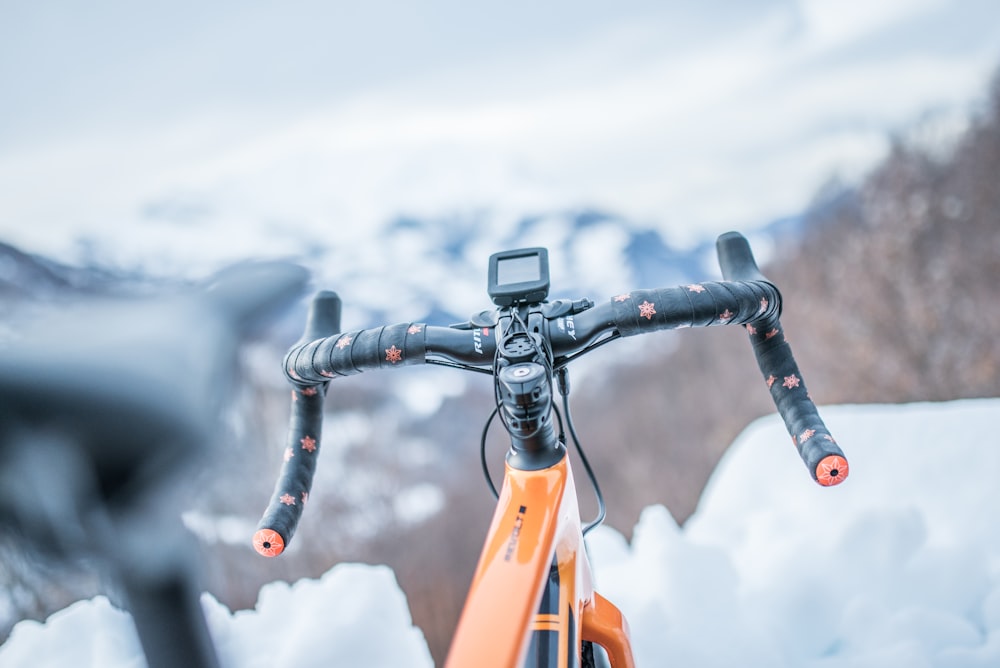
(393, 354)
(287, 499)
(308, 443)
(696, 288)
(646, 310)
(343, 342)
(414, 329)
(791, 381)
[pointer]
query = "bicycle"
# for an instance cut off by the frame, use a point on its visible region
(532, 600)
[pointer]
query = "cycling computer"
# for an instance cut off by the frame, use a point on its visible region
(519, 276)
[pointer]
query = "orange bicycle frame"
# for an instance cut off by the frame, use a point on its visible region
(532, 601)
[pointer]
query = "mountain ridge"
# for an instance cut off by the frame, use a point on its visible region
(640, 257)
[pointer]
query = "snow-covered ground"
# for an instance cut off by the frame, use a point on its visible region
(899, 566)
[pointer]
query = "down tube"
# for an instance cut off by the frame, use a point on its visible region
(533, 539)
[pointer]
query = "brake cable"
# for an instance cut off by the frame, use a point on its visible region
(563, 377)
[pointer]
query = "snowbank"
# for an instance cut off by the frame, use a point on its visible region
(899, 566)
(355, 615)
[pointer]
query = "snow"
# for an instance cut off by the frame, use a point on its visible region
(898, 566)
(303, 624)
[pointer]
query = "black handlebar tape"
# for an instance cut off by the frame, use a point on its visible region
(276, 527)
(351, 353)
(821, 454)
(696, 305)
(291, 493)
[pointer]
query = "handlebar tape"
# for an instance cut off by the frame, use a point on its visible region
(816, 446)
(276, 527)
(351, 353)
(697, 305)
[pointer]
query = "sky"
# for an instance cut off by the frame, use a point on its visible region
(897, 566)
(186, 134)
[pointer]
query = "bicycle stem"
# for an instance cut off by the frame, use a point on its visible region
(526, 396)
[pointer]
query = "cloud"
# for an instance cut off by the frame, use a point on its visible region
(684, 120)
(835, 24)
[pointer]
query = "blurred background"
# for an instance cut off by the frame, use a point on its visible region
(390, 149)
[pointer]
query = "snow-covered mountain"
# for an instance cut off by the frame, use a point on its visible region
(420, 269)
(29, 276)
